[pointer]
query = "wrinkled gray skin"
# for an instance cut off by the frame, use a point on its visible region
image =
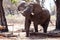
(39, 17)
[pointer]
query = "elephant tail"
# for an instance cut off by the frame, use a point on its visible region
(52, 23)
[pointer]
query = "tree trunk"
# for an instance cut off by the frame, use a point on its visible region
(2, 17)
(58, 14)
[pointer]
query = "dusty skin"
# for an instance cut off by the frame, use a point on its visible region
(40, 17)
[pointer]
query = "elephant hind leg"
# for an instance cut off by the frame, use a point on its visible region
(45, 29)
(45, 26)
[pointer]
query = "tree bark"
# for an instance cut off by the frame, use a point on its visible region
(58, 14)
(2, 17)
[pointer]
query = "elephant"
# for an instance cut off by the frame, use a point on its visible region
(33, 12)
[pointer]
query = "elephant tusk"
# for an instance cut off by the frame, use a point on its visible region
(32, 13)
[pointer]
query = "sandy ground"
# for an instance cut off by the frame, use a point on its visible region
(16, 23)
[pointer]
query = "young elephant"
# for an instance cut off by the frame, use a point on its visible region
(39, 17)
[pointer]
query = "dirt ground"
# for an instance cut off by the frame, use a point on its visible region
(16, 24)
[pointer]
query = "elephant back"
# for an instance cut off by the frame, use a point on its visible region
(37, 8)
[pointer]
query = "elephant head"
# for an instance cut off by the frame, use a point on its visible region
(25, 9)
(28, 8)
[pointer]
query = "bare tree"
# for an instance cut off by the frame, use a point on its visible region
(58, 14)
(2, 17)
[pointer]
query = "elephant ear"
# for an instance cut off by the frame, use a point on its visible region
(27, 11)
(31, 7)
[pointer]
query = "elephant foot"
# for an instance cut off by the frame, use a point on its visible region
(36, 30)
(45, 31)
(27, 35)
(23, 30)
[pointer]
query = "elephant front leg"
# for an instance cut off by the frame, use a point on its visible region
(27, 26)
(36, 27)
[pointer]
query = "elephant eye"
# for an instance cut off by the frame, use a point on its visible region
(31, 5)
(25, 5)
(21, 8)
